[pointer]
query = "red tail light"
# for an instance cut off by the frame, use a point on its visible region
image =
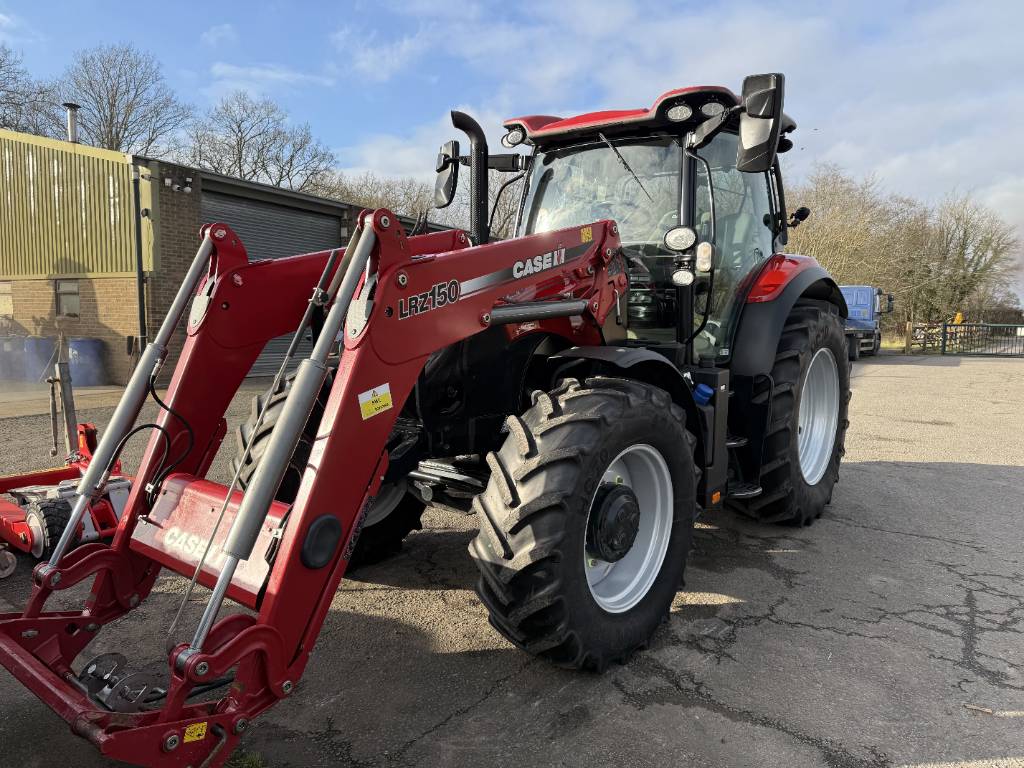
(775, 276)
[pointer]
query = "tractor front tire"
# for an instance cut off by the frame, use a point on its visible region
(606, 449)
(47, 519)
(377, 541)
(796, 486)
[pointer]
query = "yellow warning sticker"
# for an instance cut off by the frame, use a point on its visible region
(586, 234)
(374, 401)
(195, 732)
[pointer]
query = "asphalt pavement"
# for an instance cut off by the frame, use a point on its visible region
(889, 633)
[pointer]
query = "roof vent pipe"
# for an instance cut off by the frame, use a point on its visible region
(72, 109)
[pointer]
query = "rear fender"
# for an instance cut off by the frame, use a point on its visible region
(782, 282)
(643, 365)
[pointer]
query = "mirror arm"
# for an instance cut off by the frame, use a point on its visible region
(711, 187)
(508, 162)
(707, 130)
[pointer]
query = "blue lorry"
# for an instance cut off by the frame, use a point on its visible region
(863, 335)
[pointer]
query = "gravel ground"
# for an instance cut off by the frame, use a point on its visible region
(890, 633)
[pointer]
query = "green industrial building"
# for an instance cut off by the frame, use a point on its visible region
(79, 258)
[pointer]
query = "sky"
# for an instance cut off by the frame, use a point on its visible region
(927, 96)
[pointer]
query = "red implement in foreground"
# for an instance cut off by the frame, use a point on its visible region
(413, 279)
(40, 507)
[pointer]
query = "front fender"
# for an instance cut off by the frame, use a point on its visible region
(645, 365)
(781, 283)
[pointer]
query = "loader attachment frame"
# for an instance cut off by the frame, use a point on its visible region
(411, 298)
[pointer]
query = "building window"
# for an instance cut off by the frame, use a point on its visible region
(6, 300)
(67, 298)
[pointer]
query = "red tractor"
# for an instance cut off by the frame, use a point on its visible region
(501, 375)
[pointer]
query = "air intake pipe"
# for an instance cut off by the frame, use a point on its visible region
(477, 176)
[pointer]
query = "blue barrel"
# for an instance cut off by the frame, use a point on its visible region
(85, 357)
(40, 357)
(12, 349)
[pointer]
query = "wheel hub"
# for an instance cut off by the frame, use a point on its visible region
(614, 522)
(628, 528)
(818, 416)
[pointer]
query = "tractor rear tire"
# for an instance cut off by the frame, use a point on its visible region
(788, 496)
(535, 552)
(375, 542)
(47, 519)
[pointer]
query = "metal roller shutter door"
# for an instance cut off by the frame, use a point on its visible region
(272, 232)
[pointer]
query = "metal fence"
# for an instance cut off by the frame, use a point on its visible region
(981, 339)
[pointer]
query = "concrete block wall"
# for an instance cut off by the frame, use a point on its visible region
(176, 222)
(108, 311)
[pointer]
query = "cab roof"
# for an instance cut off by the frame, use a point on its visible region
(544, 128)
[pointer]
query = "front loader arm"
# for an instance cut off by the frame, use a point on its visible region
(415, 296)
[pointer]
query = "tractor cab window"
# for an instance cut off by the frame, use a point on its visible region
(743, 239)
(589, 182)
(586, 183)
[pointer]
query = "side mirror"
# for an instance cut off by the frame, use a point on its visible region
(890, 300)
(760, 122)
(800, 214)
(447, 180)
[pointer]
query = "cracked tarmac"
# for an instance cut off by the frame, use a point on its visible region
(854, 643)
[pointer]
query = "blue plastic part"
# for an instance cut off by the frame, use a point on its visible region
(85, 358)
(702, 394)
(12, 350)
(40, 355)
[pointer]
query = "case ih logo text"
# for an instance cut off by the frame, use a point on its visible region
(540, 263)
(189, 545)
(439, 295)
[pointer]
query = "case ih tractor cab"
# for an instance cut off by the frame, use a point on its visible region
(498, 375)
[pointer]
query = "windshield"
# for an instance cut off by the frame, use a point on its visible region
(582, 184)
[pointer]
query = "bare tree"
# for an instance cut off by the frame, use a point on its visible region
(403, 195)
(26, 104)
(252, 139)
(126, 104)
(957, 257)
(975, 249)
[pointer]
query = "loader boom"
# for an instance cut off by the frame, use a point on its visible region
(414, 297)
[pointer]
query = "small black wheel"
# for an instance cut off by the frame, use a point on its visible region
(46, 519)
(806, 437)
(586, 521)
(394, 513)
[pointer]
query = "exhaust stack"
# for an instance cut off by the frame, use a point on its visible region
(477, 176)
(72, 109)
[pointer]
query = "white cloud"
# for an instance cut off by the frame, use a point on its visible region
(259, 78)
(378, 60)
(219, 34)
(14, 31)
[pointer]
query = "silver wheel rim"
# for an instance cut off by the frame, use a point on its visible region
(37, 536)
(818, 415)
(619, 586)
(385, 502)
